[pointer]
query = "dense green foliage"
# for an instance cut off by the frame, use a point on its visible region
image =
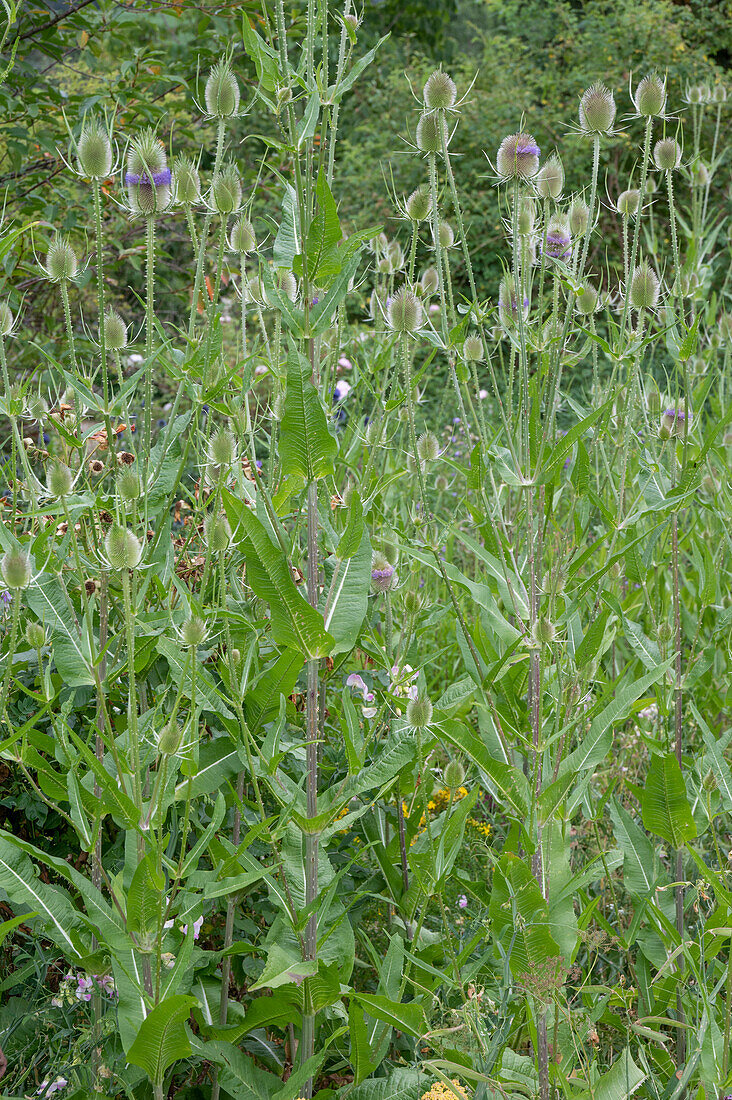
(365, 553)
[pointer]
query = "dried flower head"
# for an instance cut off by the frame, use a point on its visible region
(597, 110)
(518, 157)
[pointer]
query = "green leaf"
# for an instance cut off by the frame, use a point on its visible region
(407, 1017)
(283, 968)
(520, 917)
(262, 701)
(401, 1084)
(641, 869)
(620, 1081)
(306, 445)
(324, 235)
(347, 602)
(54, 907)
(350, 540)
(294, 622)
(145, 898)
(9, 926)
(207, 694)
(162, 1039)
(666, 810)
(360, 1046)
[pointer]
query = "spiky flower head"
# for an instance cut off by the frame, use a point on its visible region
(217, 533)
(649, 97)
(94, 151)
(187, 181)
(696, 93)
(6, 319)
(508, 302)
(473, 348)
(148, 178)
(446, 235)
(428, 447)
(586, 302)
(439, 92)
(430, 281)
(644, 287)
(676, 420)
(222, 91)
(169, 739)
(193, 632)
(579, 215)
(115, 331)
(557, 245)
(453, 775)
(59, 479)
(667, 154)
(651, 185)
(719, 94)
(543, 631)
(222, 448)
(518, 157)
(128, 486)
(404, 312)
(226, 190)
(432, 132)
(124, 549)
(419, 712)
(242, 238)
(418, 205)
(61, 262)
(383, 577)
(35, 635)
(16, 569)
(628, 202)
(286, 282)
(597, 110)
(550, 179)
(395, 256)
(526, 215)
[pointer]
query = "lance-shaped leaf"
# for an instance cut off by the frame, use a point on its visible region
(347, 603)
(162, 1039)
(520, 917)
(666, 810)
(294, 622)
(306, 445)
(55, 909)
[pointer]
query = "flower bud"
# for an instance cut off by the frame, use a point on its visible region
(6, 319)
(187, 181)
(148, 178)
(473, 349)
(644, 287)
(404, 312)
(439, 92)
(518, 157)
(597, 110)
(59, 480)
(35, 635)
(676, 420)
(453, 775)
(115, 331)
(543, 631)
(61, 262)
(586, 302)
(508, 306)
(650, 96)
(395, 256)
(222, 91)
(128, 486)
(430, 281)
(169, 739)
(700, 175)
(628, 202)
(226, 190)
(667, 154)
(412, 603)
(651, 186)
(124, 549)
(418, 205)
(719, 94)
(558, 241)
(94, 151)
(16, 569)
(241, 237)
(579, 215)
(193, 632)
(222, 449)
(550, 179)
(526, 216)
(445, 235)
(383, 577)
(419, 712)
(665, 633)
(431, 132)
(428, 447)
(217, 533)
(441, 483)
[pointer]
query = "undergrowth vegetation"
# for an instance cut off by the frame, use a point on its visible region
(365, 637)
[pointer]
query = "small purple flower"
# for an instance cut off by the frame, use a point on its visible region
(6, 597)
(84, 988)
(159, 179)
(358, 682)
(341, 390)
(558, 245)
(196, 928)
(462, 902)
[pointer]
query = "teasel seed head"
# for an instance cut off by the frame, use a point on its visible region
(124, 549)
(558, 239)
(148, 178)
(644, 287)
(383, 577)
(193, 632)
(429, 282)
(518, 157)
(187, 181)
(128, 486)
(446, 235)
(597, 110)
(404, 312)
(550, 178)
(59, 479)
(169, 739)
(222, 449)
(226, 191)
(418, 205)
(217, 533)
(16, 569)
(94, 151)
(667, 154)
(579, 214)
(428, 447)
(419, 712)
(222, 91)
(242, 238)
(61, 262)
(432, 132)
(35, 635)
(628, 202)
(115, 331)
(587, 297)
(453, 775)
(473, 349)
(649, 97)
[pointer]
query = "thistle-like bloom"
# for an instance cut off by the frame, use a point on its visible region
(222, 91)
(597, 110)
(148, 178)
(404, 312)
(187, 181)
(675, 421)
(644, 287)
(579, 214)
(432, 132)
(558, 240)
(94, 151)
(508, 302)
(61, 262)
(383, 576)
(649, 97)
(667, 154)
(418, 205)
(439, 92)
(518, 157)
(628, 202)
(550, 180)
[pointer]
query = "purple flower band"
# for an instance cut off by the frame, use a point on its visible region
(529, 147)
(160, 179)
(679, 414)
(382, 574)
